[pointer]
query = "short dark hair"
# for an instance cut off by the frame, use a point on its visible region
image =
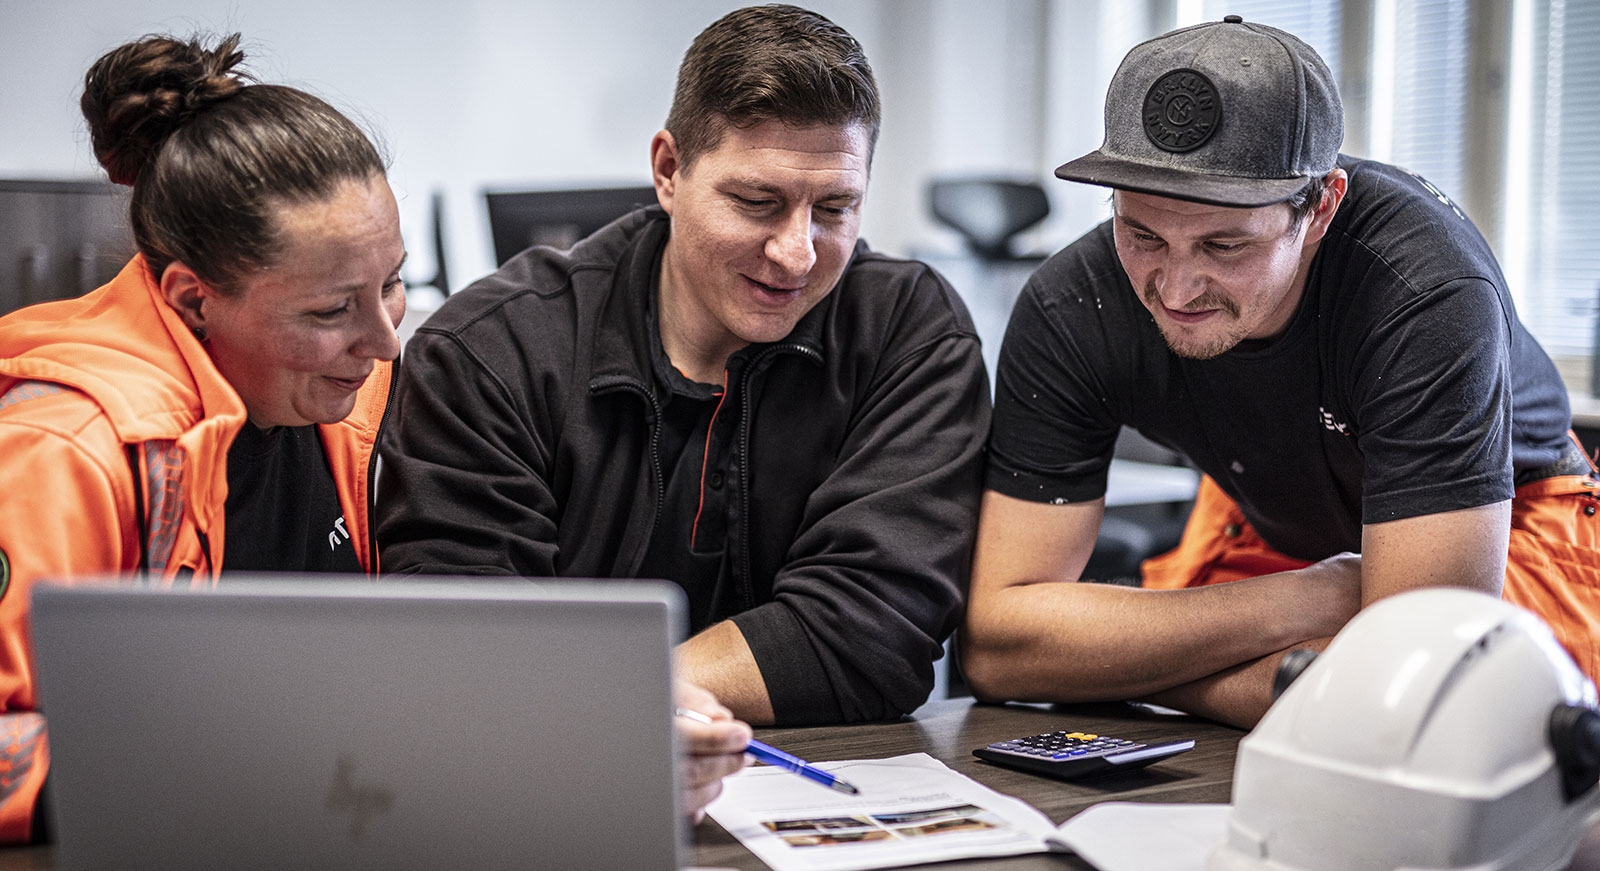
(211, 154)
(1305, 201)
(770, 63)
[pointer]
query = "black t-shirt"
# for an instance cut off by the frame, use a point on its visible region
(283, 512)
(1404, 384)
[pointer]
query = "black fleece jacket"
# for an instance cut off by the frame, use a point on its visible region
(523, 443)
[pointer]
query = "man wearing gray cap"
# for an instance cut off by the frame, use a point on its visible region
(1328, 339)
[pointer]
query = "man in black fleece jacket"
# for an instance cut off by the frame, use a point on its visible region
(729, 391)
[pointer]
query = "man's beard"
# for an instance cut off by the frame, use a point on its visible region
(1198, 347)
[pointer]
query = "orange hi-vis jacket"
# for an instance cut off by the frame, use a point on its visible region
(92, 389)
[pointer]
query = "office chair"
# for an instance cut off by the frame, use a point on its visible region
(558, 218)
(988, 212)
(424, 296)
(441, 274)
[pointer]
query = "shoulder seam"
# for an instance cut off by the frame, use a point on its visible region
(91, 410)
(454, 337)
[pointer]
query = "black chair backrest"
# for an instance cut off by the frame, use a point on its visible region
(558, 218)
(988, 212)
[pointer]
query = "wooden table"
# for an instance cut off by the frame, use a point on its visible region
(949, 730)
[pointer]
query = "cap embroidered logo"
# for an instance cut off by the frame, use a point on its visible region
(1181, 111)
(1226, 113)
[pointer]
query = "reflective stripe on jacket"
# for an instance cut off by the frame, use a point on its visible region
(90, 389)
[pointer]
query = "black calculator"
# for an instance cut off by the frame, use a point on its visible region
(1071, 755)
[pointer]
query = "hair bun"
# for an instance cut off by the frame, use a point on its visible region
(138, 94)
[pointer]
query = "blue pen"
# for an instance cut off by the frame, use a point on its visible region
(779, 759)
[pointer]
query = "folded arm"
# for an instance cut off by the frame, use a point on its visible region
(1465, 548)
(1034, 633)
(1208, 650)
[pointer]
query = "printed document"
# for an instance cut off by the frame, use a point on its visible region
(912, 809)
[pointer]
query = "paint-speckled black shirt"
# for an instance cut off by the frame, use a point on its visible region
(1404, 385)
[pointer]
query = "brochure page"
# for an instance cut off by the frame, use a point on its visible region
(911, 809)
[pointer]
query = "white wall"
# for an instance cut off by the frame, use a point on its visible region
(554, 93)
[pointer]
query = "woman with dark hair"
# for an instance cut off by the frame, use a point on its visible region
(214, 408)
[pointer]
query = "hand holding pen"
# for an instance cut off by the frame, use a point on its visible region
(713, 747)
(779, 759)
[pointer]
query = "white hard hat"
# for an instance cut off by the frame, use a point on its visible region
(1441, 729)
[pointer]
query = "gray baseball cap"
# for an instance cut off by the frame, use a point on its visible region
(1227, 113)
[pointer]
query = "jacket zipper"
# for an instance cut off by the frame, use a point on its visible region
(746, 578)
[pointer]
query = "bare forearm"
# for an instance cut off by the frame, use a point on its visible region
(719, 659)
(1238, 696)
(1082, 642)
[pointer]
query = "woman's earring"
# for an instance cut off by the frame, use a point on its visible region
(199, 333)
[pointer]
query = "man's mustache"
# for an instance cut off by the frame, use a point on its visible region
(1204, 302)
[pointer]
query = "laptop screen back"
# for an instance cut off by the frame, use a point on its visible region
(306, 725)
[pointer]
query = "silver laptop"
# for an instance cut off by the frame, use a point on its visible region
(301, 724)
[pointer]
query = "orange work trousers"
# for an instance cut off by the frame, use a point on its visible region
(1552, 565)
